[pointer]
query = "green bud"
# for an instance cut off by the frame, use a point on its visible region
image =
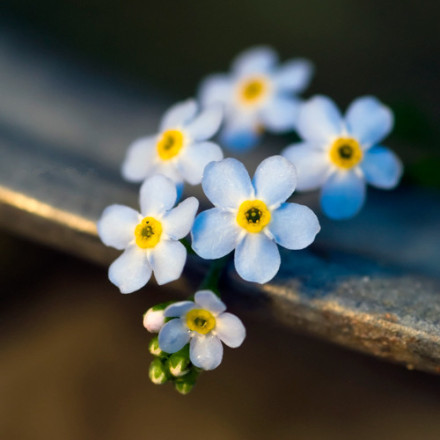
(158, 373)
(186, 383)
(153, 347)
(178, 363)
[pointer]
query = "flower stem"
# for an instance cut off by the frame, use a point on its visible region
(213, 275)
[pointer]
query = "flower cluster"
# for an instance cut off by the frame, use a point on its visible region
(250, 217)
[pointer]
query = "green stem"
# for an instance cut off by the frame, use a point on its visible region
(213, 275)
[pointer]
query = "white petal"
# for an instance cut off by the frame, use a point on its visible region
(312, 165)
(215, 233)
(230, 330)
(255, 60)
(227, 183)
(206, 352)
(173, 336)
(274, 180)
(168, 259)
(169, 169)
(178, 222)
(131, 270)
(368, 120)
(157, 195)
(294, 226)
(195, 158)
(140, 159)
(179, 114)
(343, 195)
(294, 75)
(215, 89)
(319, 120)
(210, 301)
(281, 114)
(206, 124)
(116, 226)
(257, 258)
(382, 168)
(179, 309)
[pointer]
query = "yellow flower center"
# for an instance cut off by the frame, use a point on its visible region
(148, 232)
(253, 215)
(346, 152)
(253, 90)
(170, 144)
(200, 320)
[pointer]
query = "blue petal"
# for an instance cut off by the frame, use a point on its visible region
(294, 76)
(368, 120)
(312, 165)
(239, 139)
(215, 233)
(257, 258)
(179, 114)
(255, 60)
(206, 124)
(274, 180)
(281, 114)
(210, 301)
(168, 259)
(179, 309)
(116, 226)
(227, 183)
(382, 168)
(178, 222)
(319, 120)
(215, 89)
(157, 195)
(294, 226)
(173, 336)
(230, 330)
(343, 195)
(194, 159)
(131, 270)
(206, 352)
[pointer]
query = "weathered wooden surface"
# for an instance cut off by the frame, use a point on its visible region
(371, 283)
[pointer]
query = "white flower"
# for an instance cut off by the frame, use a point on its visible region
(154, 319)
(205, 325)
(149, 238)
(251, 217)
(340, 154)
(180, 150)
(257, 95)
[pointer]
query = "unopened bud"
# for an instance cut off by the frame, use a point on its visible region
(154, 318)
(186, 383)
(153, 347)
(157, 372)
(178, 363)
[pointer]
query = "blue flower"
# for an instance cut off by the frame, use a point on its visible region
(205, 325)
(180, 151)
(340, 155)
(257, 95)
(252, 217)
(150, 239)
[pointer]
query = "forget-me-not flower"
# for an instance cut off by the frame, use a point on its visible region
(252, 216)
(340, 155)
(257, 95)
(180, 150)
(205, 325)
(150, 239)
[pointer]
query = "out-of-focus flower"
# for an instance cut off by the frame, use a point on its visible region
(252, 217)
(257, 95)
(180, 150)
(150, 239)
(205, 325)
(340, 155)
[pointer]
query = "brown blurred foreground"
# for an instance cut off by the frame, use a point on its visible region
(74, 366)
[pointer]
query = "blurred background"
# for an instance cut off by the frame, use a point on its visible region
(73, 351)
